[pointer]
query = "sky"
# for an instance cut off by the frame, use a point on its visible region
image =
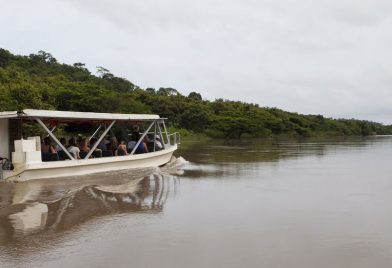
(314, 57)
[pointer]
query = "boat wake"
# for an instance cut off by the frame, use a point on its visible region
(174, 166)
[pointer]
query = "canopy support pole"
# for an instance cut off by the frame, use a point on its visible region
(95, 133)
(53, 129)
(160, 135)
(141, 138)
(155, 135)
(54, 138)
(167, 135)
(99, 140)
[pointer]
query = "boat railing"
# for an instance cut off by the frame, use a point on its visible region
(174, 138)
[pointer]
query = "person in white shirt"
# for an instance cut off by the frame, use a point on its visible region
(158, 143)
(73, 149)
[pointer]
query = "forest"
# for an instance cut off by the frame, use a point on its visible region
(39, 81)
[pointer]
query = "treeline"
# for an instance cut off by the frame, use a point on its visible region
(39, 81)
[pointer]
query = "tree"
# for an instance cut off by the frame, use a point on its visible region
(104, 73)
(167, 91)
(194, 118)
(43, 56)
(195, 96)
(150, 90)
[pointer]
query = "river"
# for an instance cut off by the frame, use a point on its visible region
(281, 203)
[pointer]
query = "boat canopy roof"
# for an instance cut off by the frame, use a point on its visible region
(80, 116)
(8, 114)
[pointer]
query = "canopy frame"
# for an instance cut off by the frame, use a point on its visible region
(41, 116)
(95, 133)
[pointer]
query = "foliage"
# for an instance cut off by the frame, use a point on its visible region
(39, 81)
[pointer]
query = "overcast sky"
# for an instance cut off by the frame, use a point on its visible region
(315, 57)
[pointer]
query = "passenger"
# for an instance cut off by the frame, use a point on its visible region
(101, 146)
(92, 142)
(158, 143)
(122, 149)
(149, 144)
(97, 151)
(142, 147)
(131, 143)
(107, 141)
(84, 146)
(145, 149)
(47, 146)
(63, 141)
(136, 129)
(113, 145)
(73, 149)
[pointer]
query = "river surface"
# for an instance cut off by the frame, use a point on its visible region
(249, 203)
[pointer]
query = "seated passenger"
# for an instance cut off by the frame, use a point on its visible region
(92, 142)
(158, 143)
(63, 141)
(154, 144)
(122, 149)
(47, 146)
(97, 151)
(131, 143)
(142, 147)
(113, 145)
(107, 141)
(84, 146)
(73, 149)
(136, 129)
(101, 146)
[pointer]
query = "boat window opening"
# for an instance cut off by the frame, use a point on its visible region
(150, 136)
(153, 136)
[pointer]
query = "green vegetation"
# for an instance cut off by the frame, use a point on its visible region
(39, 81)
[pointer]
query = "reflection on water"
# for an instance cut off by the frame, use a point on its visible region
(37, 207)
(244, 203)
(268, 150)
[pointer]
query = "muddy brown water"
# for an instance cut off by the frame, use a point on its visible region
(249, 203)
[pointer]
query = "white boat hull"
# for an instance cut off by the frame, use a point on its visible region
(71, 168)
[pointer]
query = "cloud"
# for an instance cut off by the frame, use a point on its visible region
(330, 57)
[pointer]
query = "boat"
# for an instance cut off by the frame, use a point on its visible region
(22, 159)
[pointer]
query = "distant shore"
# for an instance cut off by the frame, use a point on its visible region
(39, 81)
